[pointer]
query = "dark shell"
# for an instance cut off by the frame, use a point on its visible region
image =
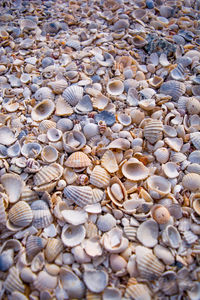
(106, 116)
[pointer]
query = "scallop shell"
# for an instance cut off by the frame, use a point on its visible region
(95, 280)
(193, 106)
(173, 88)
(42, 217)
(13, 185)
(7, 137)
(116, 191)
(138, 292)
(100, 102)
(53, 248)
(148, 265)
(134, 170)
(34, 245)
(109, 162)
(99, 177)
(45, 125)
(81, 195)
(147, 233)
(20, 214)
(71, 283)
(48, 174)
(78, 160)
(73, 141)
(45, 281)
(153, 131)
(171, 237)
(115, 87)
(160, 214)
(63, 108)
(13, 281)
(49, 154)
(195, 139)
(42, 110)
(191, 182)
(44, 93)
(158, 186)
(178, 72)
(31, 150)
(58, 86)
(73, 94)
(73, 235)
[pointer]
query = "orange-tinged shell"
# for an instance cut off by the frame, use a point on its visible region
(78, 160)
(160, 214)
(117, 192)
(20, 214)
(48, 174)
(99, 177)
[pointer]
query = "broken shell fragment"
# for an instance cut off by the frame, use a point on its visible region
(171, 237)
(117, 192)
(95, 280)
(109, 162)
(73, 141)
(71, 283)
(73, 235)
(158, 186)
(81, 195)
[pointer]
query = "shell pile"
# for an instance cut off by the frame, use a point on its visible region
(100, 149)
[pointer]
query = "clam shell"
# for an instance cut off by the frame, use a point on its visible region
(6, 260)
(71, 283)
(45, 125)
(53, 248)
(164, 254)
(48, 174)
(7, 137)
(31, 150)
(42, 217)
(73, 141)
(193, 106)
(148, 265)
(99, 177)
(106, 116)
(63, 108)
(95, 280)
(58, 86)
(3, 215)
(171, 237)
(42, 110)
(109, 162)
(194, 157)
(160, 214)
(147, 233)
(74, 217)
(84, 105)
(158, 186)
(195, 139)
(173, 88)
(34, 245)
(162, 155)
(78, 160)
(69, 175)
(113, 241)
(81, 195)
(13, 281)
(191, 182)
(14, 150)
(170, 169)
(134, 170)
(138, 292)
(73, 94)
(100, 102)
(45, 281)
(44, 93)
(115, 87)
(124, 119)
(120, 143)
(116, 191)
(73, 235)
(153, 131)
(13, 185)
(54, 134)
(49, 154)
(168, 283)
(20, 214)
(139, 41)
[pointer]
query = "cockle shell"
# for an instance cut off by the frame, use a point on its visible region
(45, 125)
(81, 195)
(162, 155)
(178, 72)
(153, 131)
(134, 170)
(71, 283)
(173, 88)
(116, 191)
(147, 233)
(195, 139)
(42, 110)
(115, 87)
(13, 281)
(99, 177)
(160, 214)
(6, 260)
(13, 185)
(31, 150)
(58, 86)
(7, 137)
(130, 232)
(73, 94)
(54, 134)
(148, 265)
(95, 280)
(113, 241)
(73, 235)
(171, 237)
(53, 248)
(45, 281)
(191, 182)
(73, 141)
(48, 174)
(49, 154)
(138, 292)
(194, 157)
(158, 186)
(109, 162)
(193, 106)
(20, 214)
(63, 108)
(44, 93)
(170, 169)
(42, 217)
(100, 102)
(34, 245)
(84, 105)
(111, 293)
(78, 160)
(74, 217)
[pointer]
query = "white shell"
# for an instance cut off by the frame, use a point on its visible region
(115, 87)
(170, 170)
(195, 139)
(113, 241)
(134, 170)
(44, 93)
(73, 235)
(109, 162)
(54, 134)
(147, 233)
(73, 94)
(73, 141)
(99, 177)
(48, 174)
(13, 281)
(74, 217)
(49, 154)
(158, 186)
(42, 110)
(31, 150)
(42, 217)
(71, 283)
(81, 195)
(138, 292)
(13, 185)
(20, 214)
(171, 237)
(162, 155)
(7, 137)
(95, 280)
(63, 108)
(45, 281)
(153, 131)
(164, 254)
(191, 182)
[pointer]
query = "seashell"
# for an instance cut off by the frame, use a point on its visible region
(173, 88)
(170, 169)
(73, 141)
(139, 41)
(190, 237)
(47, 174)
(73, 94)
(105, 60)
(124, 119)
(153, 131)
(149, 267)
(13, 281)
(194, 157)
(174, 143)
(84, 105)
(182, 103)
(169, 131)
(75, 44)
(147, 233)
(168, 283)
(156, 81)
(83, 179)
(132, 97)
(99, 177)
(193, 293)
(163, 60)
(74, 217)
(178, 72)
(64, 124)
(158, 186)
(162, 155)
(91, 130)
(95, 280)
(73, 235)
(120, 25)
(42, 110)
(81, 195)
(27, 24)
(34, 245)
(42, 217)
(58, 86)
(69, 175)
(106, 222)
(98, 195)
(106, 116)
(7, 137)
(49, 154)
(3, 151)
(164, 254)
(38, 262)
(78, 160)
(18, 296)
(109, 162)
(13, 184)
(100, 102)
(193, 106)
(191, 182)
(45, 125)
(171, 237)
(137, 292)
(63, 108)
(160, 214)
(45, 281)
(120, 143)
(3, 215)
(20, 214)
(195, 139)
(6, 260)
(147, 104)
(111, 293)
(31, 150)
(71, 283)
(116, 191)
(54, 134)
(53, 248)
(134, 170)
(14, 150)
(115, 87)
(44, 93)
(113, 241)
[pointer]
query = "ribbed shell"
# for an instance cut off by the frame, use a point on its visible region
(78, 160)
(99, 177)
(34, 245)
(13, 281)
(130, 232)
(45, 125)
(109, 162)
(20, 214)
(138, 292)
(195, 139)
(48, 174)
(3, 216)
(191, 182)
(53, 248)
(63, 108)
(81, 195)
(153, 131)
(42, 217)
(73, 94)
(173, 88)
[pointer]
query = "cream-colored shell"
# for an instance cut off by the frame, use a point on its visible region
(71, 283)
(195, 139)
(73, 94)
(7, 137)
(113, 241)
(48, 174)
(99, 177)
(13, 185)
(45, 281)
(171, 237)
(73, 141)
(73, 235)
(42, 110)
(138, 292)
(53, 248)
(58, 86)
(63, 108)
(109, 162)
(191, 182)
(158, 186)
(147, 233)
(78, 160)
(117, 192)
(95, 280)
(153, 131)
(81, 195)
(20, 214)
(162, 155)
(13, 281)
(49, 154)
(170, 169)
(115, 87)
(134, 170)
